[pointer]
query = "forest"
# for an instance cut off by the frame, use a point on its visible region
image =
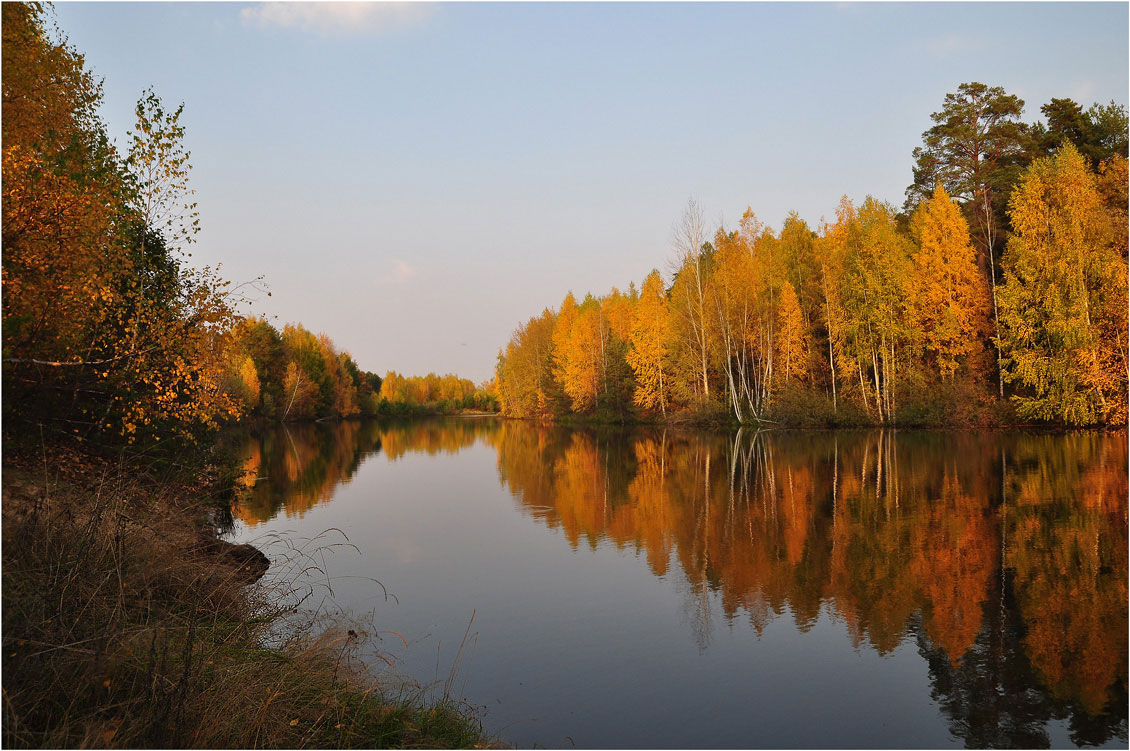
(996, 294)
(295, 375)
(109, 333)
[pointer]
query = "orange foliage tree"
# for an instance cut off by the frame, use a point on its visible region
(649, 333)
(950, 294)
(106, 331)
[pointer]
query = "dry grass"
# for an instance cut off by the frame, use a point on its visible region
(120, 629)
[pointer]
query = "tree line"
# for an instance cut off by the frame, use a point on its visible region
(297, 375)
(998, 291)
(109, 332)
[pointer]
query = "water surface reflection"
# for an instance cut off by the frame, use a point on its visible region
(1001, 558)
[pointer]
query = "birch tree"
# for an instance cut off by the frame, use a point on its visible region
(648, 353)
(688, 295)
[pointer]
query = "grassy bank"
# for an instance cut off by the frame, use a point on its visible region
(126, 624)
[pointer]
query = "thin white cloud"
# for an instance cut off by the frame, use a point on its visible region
(400, 273)
(336, 18)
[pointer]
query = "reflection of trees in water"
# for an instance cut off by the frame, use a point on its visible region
(439, 436)
(1003, 557)
(293, 467)
(696, 609)
(939, 537)
(994, 697)
(1067, 558)
(990, 697)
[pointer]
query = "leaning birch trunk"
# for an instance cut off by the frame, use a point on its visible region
(862, 385)
(767, 393)
(702, 332)
(735, 401)
(988, 209)
(831, 354)
(662, 392)
(603, 360)
(297, 382)
(747, 373)
(878, 387)
(890, 376)
(886, 375)
(728, 344)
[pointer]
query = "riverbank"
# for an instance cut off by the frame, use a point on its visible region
(126, 623)
(947, 406)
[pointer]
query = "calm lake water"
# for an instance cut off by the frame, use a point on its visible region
(650, 588)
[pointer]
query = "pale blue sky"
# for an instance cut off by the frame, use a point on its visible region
(416, 181)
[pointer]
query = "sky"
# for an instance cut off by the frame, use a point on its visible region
(416, 180)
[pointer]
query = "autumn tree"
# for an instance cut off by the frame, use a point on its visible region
(974, 150)
(173, 317)
(792, 337)
(876, 318)
(650, 330)
(299, 393)
(98, 302)
(866, 311)
(432, 392)
(688, 294)
(950, 295)
(524, 371)
(1061, 272)
(797, 245)
(562, 331)
(62, 196)
(617, 311)
(306, 352)
(158, 165)
(249, 384)
(744, 296)
(832, 249)
(582, 357)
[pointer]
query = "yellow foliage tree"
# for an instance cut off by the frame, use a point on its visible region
(1062, 272)
(950, 294)
(562, 331)
(97, 301)
(792, 338)
(878, 321)
(690, 314)
(618, 312)
(299, 393)
(523, 373)
(582, 374)
(650, 331)
(831, 248)
(249, 377)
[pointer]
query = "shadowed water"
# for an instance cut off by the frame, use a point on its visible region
(661, 588)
